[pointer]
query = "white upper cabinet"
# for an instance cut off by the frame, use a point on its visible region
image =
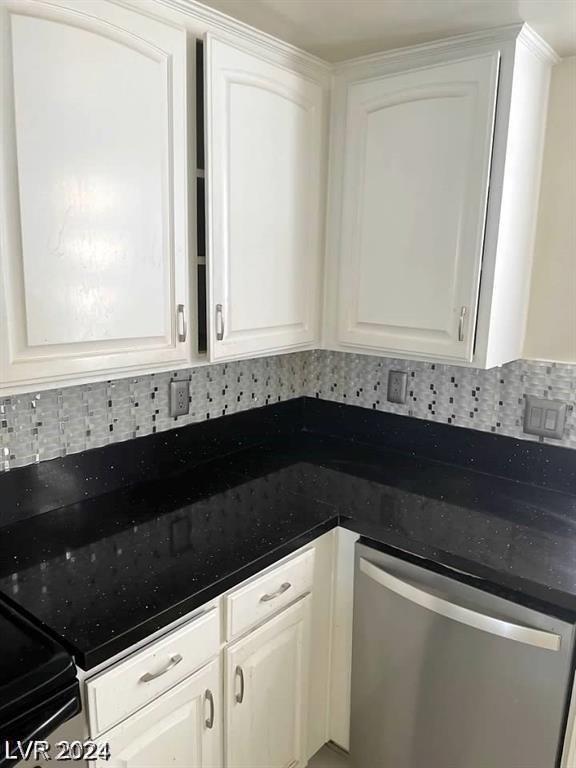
(417, 161)
(264, 200)
(434, 167)
(94, 253)
(435, 173)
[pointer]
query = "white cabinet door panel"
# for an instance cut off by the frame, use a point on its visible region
(182, 728)
(95, 253)
(264, 203)
(267, 691)
(87, 181)
(414, 193)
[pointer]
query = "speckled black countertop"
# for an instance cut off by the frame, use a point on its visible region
(104, 572)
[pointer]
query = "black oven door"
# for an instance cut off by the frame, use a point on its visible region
(37, 723)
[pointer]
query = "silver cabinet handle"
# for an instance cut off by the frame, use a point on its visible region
(181, 321)
(273, 595)
(174, 661)
(209, 722)
(506, 629)
(463, 311)
(240, 675)
(219, 322)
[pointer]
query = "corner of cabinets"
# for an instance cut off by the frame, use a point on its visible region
(232, 230)
(518, 196)
(219, 209)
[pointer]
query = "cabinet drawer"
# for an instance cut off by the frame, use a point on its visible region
(131, 684)
(262, 597)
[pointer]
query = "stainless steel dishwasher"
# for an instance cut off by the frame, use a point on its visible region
(446, 675)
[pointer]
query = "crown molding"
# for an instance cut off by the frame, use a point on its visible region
(277, 50)
(285, 54)
(537, 45)
(460, 45)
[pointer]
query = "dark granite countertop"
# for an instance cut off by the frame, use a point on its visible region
(107, 571)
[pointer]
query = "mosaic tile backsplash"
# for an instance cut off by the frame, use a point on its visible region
(491, 401)
(45, 425)
(58, 422)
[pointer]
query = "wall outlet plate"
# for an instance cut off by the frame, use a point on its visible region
(397, 386)
(179, 398)
(543, 417)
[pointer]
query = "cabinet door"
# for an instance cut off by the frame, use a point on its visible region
(94, 212)
(182, 728)
(416, 164)
(266, 693)
(263, 204)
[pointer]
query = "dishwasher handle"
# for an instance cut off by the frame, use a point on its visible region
(481, 621)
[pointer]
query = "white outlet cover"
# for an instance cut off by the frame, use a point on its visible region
(544, 417)
(397, 387)
(179, 397)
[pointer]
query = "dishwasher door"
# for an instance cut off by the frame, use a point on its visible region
(445, 675)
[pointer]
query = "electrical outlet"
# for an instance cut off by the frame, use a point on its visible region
(544, 417)
(397, 386)
(179, 398)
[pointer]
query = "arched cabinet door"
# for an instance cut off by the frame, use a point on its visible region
(94, 211)
(415, 170)
(264, 144)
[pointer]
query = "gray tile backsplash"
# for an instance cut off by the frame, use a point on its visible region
(492, 401)
(39, 426)
(58, 422)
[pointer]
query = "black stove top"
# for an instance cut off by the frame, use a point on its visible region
(38, 686)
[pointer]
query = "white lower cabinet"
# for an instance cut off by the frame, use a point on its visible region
(232, 686)
(266, 692)
(182, 728)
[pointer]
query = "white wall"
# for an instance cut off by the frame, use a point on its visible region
(551, 329)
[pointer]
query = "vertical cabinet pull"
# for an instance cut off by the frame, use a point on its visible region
(240, 675)
(219, 322)
(461, 323)
(208, 696)
(181, 322)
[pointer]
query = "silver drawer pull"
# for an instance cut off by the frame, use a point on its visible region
(174, 661)
(273, 595)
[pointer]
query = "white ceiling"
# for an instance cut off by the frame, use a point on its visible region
(340, 29)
